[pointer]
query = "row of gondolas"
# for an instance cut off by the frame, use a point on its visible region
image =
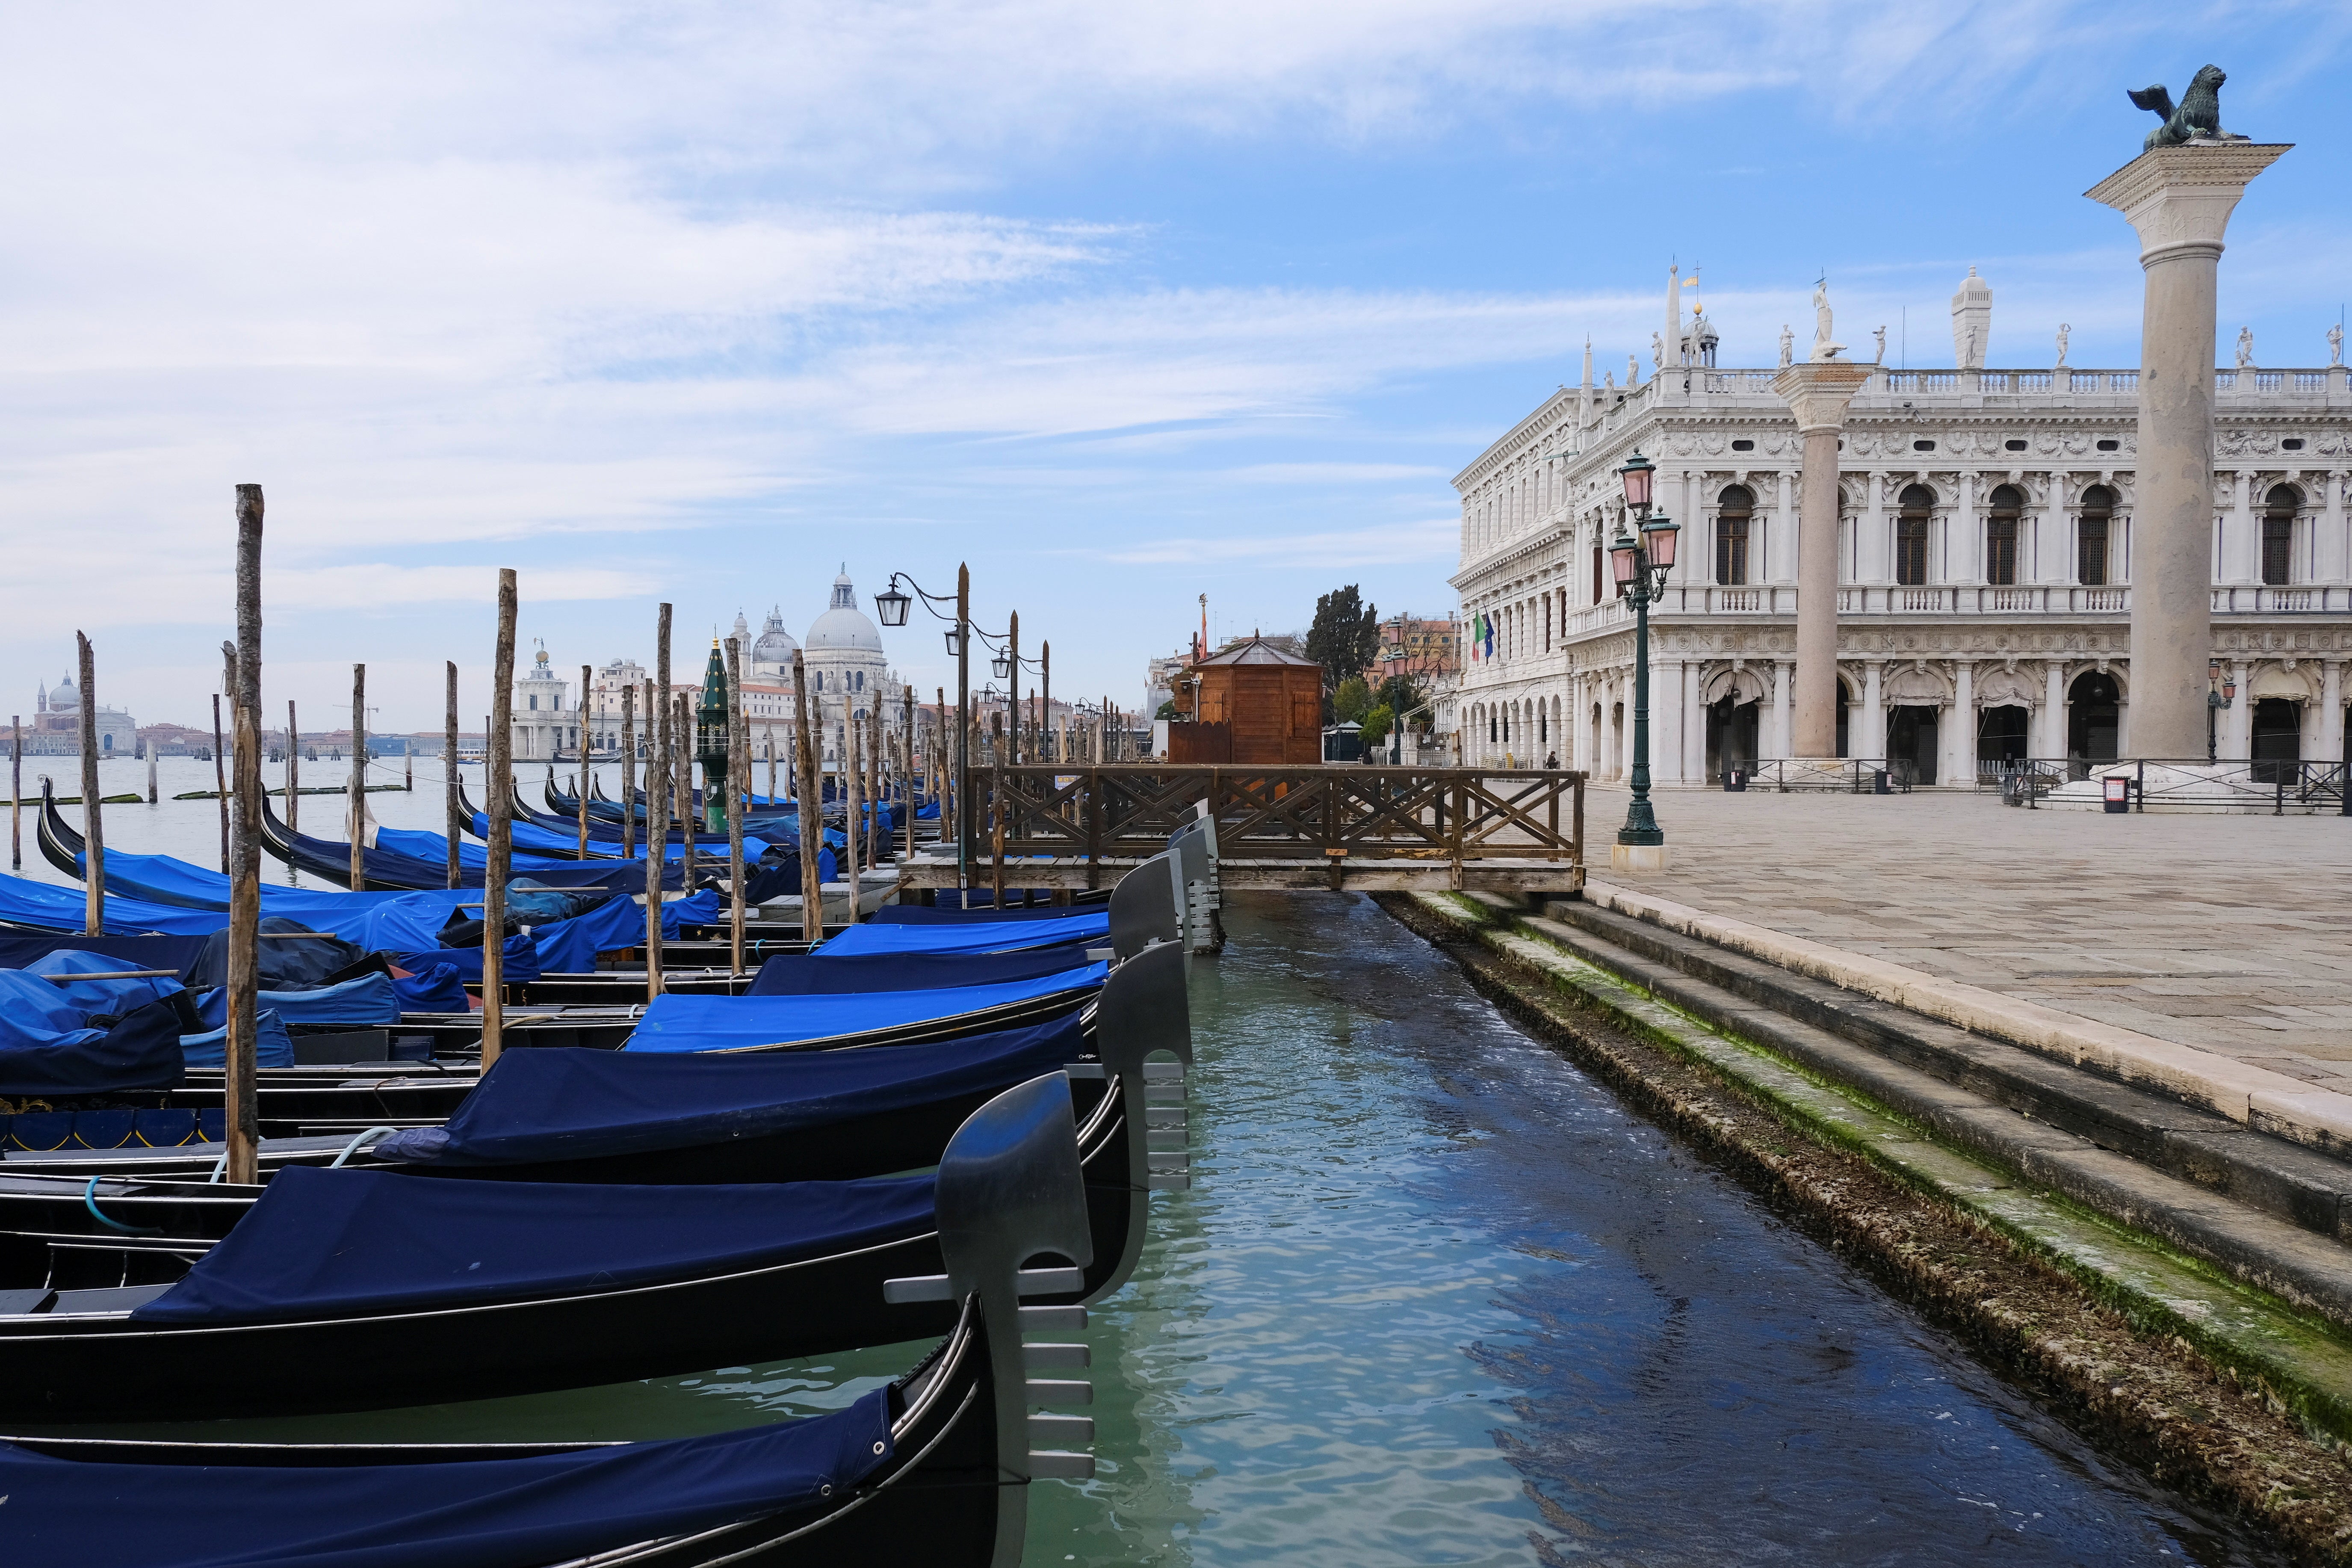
(947, 1131)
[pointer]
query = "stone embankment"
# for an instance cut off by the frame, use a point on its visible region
(2172, 1277)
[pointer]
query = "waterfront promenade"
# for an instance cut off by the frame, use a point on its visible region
(2229, 934)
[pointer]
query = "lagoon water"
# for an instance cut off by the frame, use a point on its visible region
(1438, 1298)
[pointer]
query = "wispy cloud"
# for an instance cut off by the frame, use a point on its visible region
(1381, 544)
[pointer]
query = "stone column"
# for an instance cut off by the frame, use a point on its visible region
(2179, 200)
(1960, 748)
(2238, 718)
(1779, 562)
(1694, 726)
(1817, 393)
(2054, 710)
(2241, 553)
(2331, 712)
(1776, 743)
(2331, 562)
(1866, 738)
(1872, 553)
(1964, 549)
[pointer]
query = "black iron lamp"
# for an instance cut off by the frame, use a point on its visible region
(1637, 474)
(955, 642)
(1001, 666)
(1640, 562)
(891, 605)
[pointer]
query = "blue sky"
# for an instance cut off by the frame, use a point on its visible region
(1121, 304)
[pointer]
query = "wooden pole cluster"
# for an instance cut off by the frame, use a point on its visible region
(681, 730)
(453, 828)
(93, 871)
(581, 713)
(241, 1100)
(657, 797)
(876, 786)
(812, 812)
(629, 770)
(853, 838)
(909, 788)
(358, 778)
(738, 790)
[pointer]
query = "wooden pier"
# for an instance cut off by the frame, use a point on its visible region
(1335, 827)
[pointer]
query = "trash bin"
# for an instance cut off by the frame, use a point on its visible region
(1734, 781)
(2118, 793)
(1880, 782)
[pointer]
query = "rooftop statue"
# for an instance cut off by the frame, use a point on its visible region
(2197, 119)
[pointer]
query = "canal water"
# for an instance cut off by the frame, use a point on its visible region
(1437, 1297)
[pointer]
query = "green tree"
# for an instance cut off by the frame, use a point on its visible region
(1399, 695)
(1351, 699)
(1377, 724)
(1167, 709)
(1345, 636)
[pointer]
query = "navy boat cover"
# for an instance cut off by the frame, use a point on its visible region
(481, 1514)
(329, 1244)
(363, 1002)
(918, 915)
(179, 952)
(570, 947)
(49, 1044)
(680, 1023)
(806, 975)
(559, 1103)
(272, 1046)
(436, 988)
(981, 936)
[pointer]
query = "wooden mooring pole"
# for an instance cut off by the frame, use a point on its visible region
(293, 771)
(629, 770)
(657, 785)
(93, 869)
(240, 1097)
(738, 795)
(16, 791)
(500, 806)
(581, 713)
(452, 827)
(812, 812)
(853, 838)
(681, 730)
(358, 778)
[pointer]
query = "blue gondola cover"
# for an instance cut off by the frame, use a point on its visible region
(179, 952)
(272, 1046)
(809, 974)
(559, 1103)
(352, 1242)
(436, 988)
(986, 936)
(676, 1023)
(489, 1513)
(141, 1050)
(363, 1002)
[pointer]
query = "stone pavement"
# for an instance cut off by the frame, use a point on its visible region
(2232, 934)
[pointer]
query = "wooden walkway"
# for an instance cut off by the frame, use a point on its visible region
(1338, 827)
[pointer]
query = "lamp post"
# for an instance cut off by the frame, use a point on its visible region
(2215, 701)
(1639, 560)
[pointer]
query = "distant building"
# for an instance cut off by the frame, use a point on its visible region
(1421, 649)
(177, 741)
(55, 730)
(546, 723)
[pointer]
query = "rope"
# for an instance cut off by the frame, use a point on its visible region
(89, 1201)
(352, 1147)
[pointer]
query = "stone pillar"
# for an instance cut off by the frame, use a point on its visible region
(2238, 718)
(2054, 710)
(1963, 548)
(1776, 743)
(1779, 562)
(2331, 712)
(2242, 553)
(1866, 731)
(1693, 727)
(1872, 551)
(1817, 393)
(2179, 200)
(2330, 562)
(1960, 742)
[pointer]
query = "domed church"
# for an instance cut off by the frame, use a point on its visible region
(848, 675)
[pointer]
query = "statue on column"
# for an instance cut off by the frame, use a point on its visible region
(2063, 332)
(2336, 345)
(1825, 350)
(2197, 117)
(2245, 347)
(1880, 334)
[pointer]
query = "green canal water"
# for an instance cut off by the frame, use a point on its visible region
(1437, 1297)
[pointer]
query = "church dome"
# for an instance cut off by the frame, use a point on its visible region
(844, 628)
(64, 695)
(775, 644)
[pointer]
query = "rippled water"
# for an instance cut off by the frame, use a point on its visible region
(1438, 1298)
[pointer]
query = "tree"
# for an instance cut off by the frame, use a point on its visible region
(1349, 700)
(1167, 711)
(1345, 636)
(1378, 721)
(1399, 696)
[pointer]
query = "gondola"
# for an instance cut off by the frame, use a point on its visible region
(353, 1290)
(931, 1469)
(383, 871)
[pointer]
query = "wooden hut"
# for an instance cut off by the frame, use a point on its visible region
(1254, 705)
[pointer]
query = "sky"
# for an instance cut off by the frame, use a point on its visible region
(1121, 305)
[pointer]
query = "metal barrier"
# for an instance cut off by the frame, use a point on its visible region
(2283, 784)
(1833, 775)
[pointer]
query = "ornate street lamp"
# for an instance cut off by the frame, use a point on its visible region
(891, 605)
(2216, 701)
(1640, 562)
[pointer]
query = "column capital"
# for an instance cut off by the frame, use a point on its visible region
(1816, 392)
(2181, 199)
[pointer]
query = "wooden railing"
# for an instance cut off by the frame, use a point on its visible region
(1309, 814)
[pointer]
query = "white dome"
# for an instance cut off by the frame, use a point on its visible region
(775, 644)
(64, 695)
(843, 628)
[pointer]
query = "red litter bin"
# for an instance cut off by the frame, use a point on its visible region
(2118, 787)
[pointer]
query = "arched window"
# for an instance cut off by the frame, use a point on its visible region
(1911, 535)
(858, 680)
(2091, 536)
(534, 703)
(2278, 534)
(2001, 509)
(1738, 508)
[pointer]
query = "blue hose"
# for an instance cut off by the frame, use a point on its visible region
(89, 1201)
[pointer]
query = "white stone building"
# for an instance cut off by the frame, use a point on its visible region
(848, 675)
(1985, 558)
(54, 727)
(546, 724)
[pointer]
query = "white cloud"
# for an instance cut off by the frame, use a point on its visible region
(1378, 544)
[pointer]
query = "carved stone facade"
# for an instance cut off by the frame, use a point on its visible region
(1985, 554)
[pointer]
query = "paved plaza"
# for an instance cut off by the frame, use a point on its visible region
(2229, 933)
